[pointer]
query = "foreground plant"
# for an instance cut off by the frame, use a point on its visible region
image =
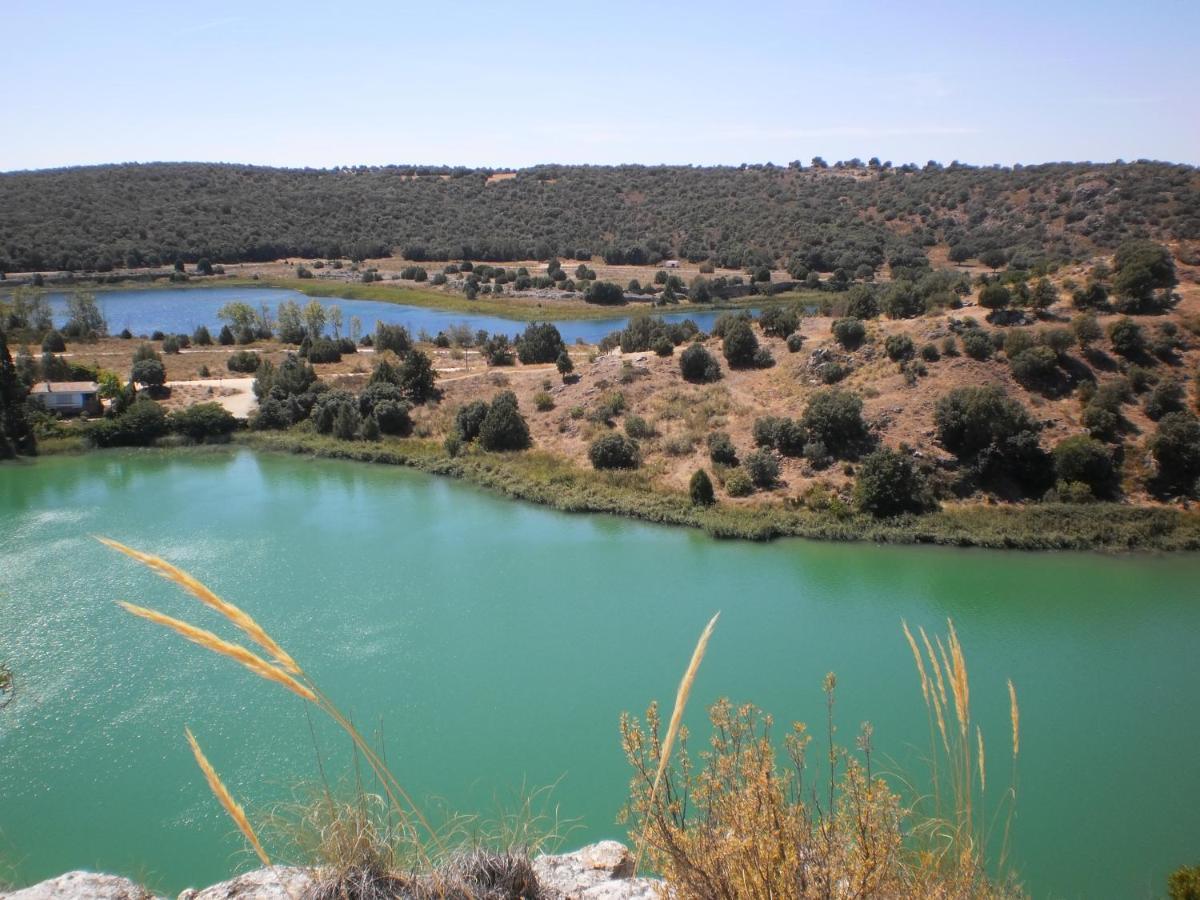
(740, 825)
(362, 844)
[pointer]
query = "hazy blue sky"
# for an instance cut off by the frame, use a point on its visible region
(519, 83)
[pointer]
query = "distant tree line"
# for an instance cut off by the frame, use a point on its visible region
(807, 219)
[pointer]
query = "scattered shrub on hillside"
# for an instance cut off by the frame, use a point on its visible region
(1127, 338)
(700, 489)
(780, 433)
(739, 344)
(984, 426)
(898, 347)
(503, 427)
(1084, 460)
(833, 417)
(53, 342)
(738, 483)
(721, 449)
(795, 342)
(1035, 368)
(977, 343)
(849, 332)
(614, 451)
(541, 343)
(698, 366)
(779, 321)
(638, 428)
(888, 485)
(1176, 449)
(762, 467)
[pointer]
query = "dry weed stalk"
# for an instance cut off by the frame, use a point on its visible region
(681, 698)
(285, 672)
(232, 807)
(740, 826)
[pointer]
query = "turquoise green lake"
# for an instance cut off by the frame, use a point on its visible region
(496, 644)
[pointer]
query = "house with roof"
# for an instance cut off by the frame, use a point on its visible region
(68, 397)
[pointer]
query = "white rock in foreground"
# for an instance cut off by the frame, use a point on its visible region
(83, 886)
(280, 883)
(598, 872)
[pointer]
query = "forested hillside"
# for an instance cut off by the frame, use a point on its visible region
(850, 216)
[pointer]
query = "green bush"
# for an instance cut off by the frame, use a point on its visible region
(739, 344)
(148, 372)
(392, 337)
(779, 321)
(848, 331)
(53, 342)
(971, 419)
(541, 343)
(202, 421)
(638, 428)
(1127, 337)
(780, 433)
(1036, 367)
(543, 402)
(762, 467)
(201, 337)
(700, 489)
(1184, 883)
(738, 483)
(888, 485)
(834, 418)
(977, 343)
(614, 451)
(698, 366)
(721, 449)
(1085, 460)
(1166, 397)
(929, 353)
(504, 428)
(564, 364)
(243, 361)
(898, 347)
(139, 426)
(469, 419)
(795, 342)
(604, 292)
(1176, 449)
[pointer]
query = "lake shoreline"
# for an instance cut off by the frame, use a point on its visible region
(516, 308)
(550, 481)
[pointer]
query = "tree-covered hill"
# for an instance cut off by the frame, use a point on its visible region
(822, 217)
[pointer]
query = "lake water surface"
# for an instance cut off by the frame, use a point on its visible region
(182, 310)
(496, 643)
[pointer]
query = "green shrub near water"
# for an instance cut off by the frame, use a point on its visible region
(698, 366)
(138, 426)
(700, 489)
(504, 428)
(888, 485)
(203, 421)
(614, 451)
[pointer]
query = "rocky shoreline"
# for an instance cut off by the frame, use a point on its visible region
(602, 871)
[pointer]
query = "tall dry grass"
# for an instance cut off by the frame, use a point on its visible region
(738, 824)
(349, 827)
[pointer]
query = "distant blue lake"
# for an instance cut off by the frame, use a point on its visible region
(181, 311)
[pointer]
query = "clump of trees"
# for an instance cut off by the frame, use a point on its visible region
(541, 343)
(994, 434)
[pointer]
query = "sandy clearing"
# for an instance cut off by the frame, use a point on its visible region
(241, 402)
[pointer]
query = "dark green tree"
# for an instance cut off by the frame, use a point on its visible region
(16, 433)
(888, 485)
(700, 489)
(504, 428)
(698, 366)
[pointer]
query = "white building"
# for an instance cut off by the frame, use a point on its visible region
(69, 397)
